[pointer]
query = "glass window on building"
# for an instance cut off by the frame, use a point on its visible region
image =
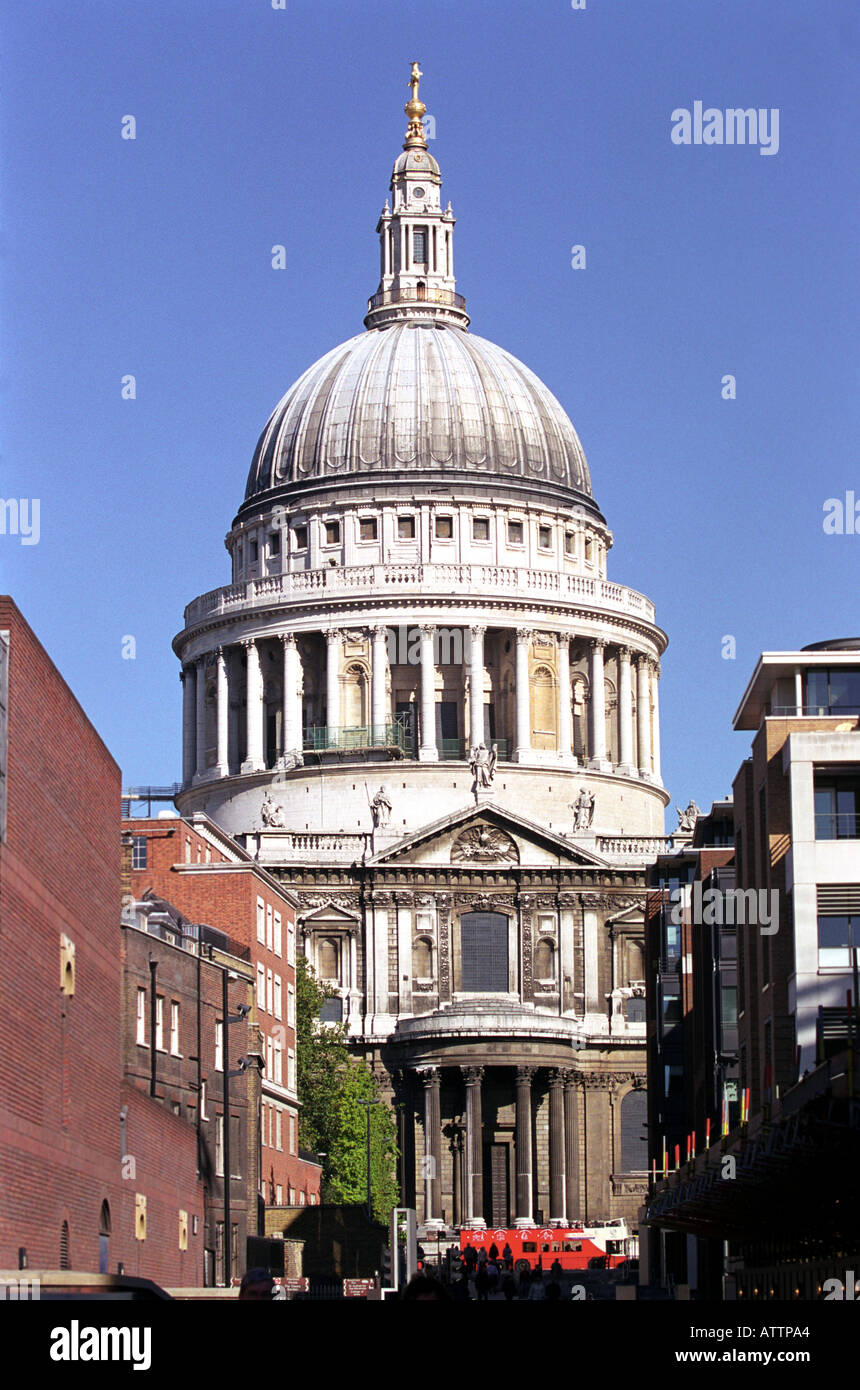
(837, 935)
(837, 807)
(138, 852)
(484, 952)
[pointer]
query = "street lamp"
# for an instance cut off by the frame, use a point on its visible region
(367, 1104)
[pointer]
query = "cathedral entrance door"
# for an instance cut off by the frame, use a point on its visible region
(496, 1185)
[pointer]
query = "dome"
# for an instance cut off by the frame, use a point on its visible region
(418, 397)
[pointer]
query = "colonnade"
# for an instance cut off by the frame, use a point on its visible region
(632, 666)
(469, 1193)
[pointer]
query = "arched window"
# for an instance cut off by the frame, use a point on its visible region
(634, 1149)
(543, 707)
(328, 958)
(65, 1262)
(545, 961)
(422, 959)
(580, 718)
(484, 952)
(354, 697)
(104, 1238)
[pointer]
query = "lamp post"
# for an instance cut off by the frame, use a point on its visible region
(367, 1104)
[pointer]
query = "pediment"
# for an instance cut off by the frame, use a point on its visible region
(329, 912)
(486, 837)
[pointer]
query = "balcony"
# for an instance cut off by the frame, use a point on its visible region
(419, 295)
(308, 588)
(837, 825)
(395, 737)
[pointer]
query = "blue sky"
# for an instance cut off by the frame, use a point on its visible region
(258, 126)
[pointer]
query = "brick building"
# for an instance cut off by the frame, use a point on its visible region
(195, 865)
(59, 969)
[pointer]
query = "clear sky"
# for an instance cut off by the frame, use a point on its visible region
(258, 126)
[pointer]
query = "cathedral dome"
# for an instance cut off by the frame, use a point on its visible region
(418, 396)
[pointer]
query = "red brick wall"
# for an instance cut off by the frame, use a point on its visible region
(59, 872)
(161, 1164)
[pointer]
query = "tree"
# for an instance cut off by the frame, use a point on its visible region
(331, 1121)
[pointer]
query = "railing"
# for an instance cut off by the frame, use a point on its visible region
(444, 579)
(319, 739)
(837, 825)
(813, 711)
(417, 295)
(640, 846)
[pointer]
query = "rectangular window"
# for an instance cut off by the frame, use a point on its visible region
(480, 528)
(276, 997)
(261, 986)
(261, 921)
(291, 943)
(570, 542)
(837, 808)
(274, 542)
(269, 925)
(279, 1195)
(484, 946)
(544, 537)
(159, 1022)
(291, 1069)
(252, 551)
(277, 942)
(138, 852)
(419, 246)
(515, 533)
(203, 1114)
(270, 1057)
(291, 1006)
(174, 1028)
(141, 1017)
(269, 992)
(300, 537)
(219, 1146)
(279, 1137)
(292, 1134)
(837, 934)
(367, 528)
(406, 528)
(278, 1064)
(332, 533)
(219, 1045)
(444, 528)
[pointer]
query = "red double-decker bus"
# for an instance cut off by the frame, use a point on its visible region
(603, 1246)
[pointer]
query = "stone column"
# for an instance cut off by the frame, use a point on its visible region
(188, 676)
(378, 713)
(523, 1139)
(428, 752)
(655, 721)
(457, 1176)
(571, 1140)
(643, 713)
(432, 1162)
(557, 1155)
(597, 708)
(332, 679)
(476, 685)
(522, 742)
(222, 768)
(201, 717)
(625, 713)
(565, 714)
(292, 713)
(474, 1184)
(253, 709)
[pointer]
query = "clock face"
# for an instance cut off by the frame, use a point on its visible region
(419, 192)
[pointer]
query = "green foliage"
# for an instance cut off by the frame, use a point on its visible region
(331, 1120)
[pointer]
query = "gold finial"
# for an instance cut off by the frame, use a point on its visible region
(415, 109)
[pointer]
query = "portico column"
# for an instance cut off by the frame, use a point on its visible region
(188, 676)
(378, 712)
(432, 1145)
(655, 719)
(643, 715)
(597, 706)
(625, 713)
(571, 1135)
(474, 1149)
(332, 679)
(523, 1140)
(201, 716)
(223, 715)
(253, 709)
(476, 685)
(292, 707)
(565, 714)
(428, 752)
(523, 749)
(557, 1166)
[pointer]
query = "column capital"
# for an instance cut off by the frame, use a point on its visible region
(472, 1075)
(563, 639)
(429, 1075)
(524, 1075)
(556, 1077)
(220, 652)
(184, 671)
(654, 665)
(378, 632)
(428, 629)
(524, 634)
(598, 644)
(288, 639)
(247, 642)
(625, 653)
(477, 629)
(333, 634)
